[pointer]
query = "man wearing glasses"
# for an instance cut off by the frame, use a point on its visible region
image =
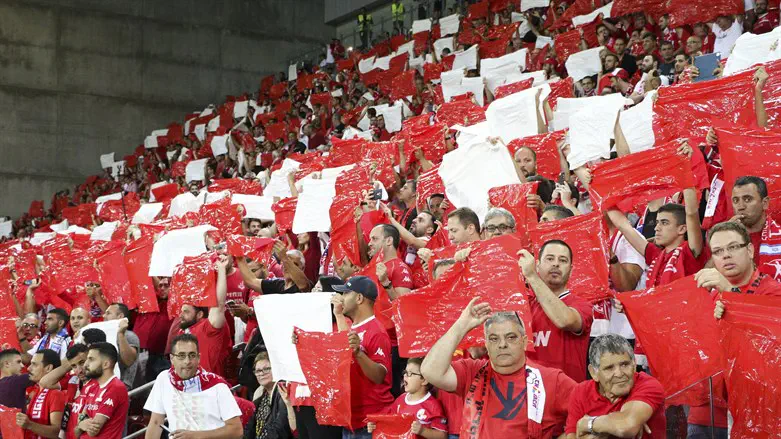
(498, 222)
(195, 402)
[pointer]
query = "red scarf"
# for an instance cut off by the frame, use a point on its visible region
(201, 381)
(672, 270)
(770, 250)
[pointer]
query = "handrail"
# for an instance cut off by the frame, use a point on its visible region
(138, 390)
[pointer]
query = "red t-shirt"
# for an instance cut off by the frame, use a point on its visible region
(506, 415)
(428, 411)
(43, 402)
(586, 400)
(665, 267)
(75, 408)
(237, 292)
(367, 397)
(152, 328)
(766, 22)
(109, 400)
(400, 276)
(213, 344)
(453, 405)
(557, 348)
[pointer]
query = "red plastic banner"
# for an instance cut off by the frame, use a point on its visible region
(284, 211)
(325, 360)
(750, 338)
(276, 131)
(676, 321)
(424, 317)
(513, 198)
(236, 186)
(223, 215)
(165, 192)
(460, 113)
(632, 180)
(114, 279)
(654, 8)
(546, 147)
(8, 334)
(194, 283)
(344, 241)
(478, 10)
(430, 139)
(566, 44)
(120, 210)
(587, 237)
(8, 427)
(404, 85)
(257, 249)
(142, 291)
(395, 426)
(561, 89)
(515, 87)
(683, 12)
(579, 7)
(80, 215)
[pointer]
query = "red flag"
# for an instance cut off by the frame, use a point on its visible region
(431, 139)
(305, 82)
(432, 71)
(276, 131)
(420, 41)
(478, 10)
(750, 337)
(546, 147)
(113, 275)
(80, 215)
(676, 321)
(284, 211)
(257, 249)
(277, 90)
(344, 64)
(587, 237)
(424, 317)
(8, 427)
(137, 257)
(492, 48)
(429, 183)
(635, 179)
(395, 426)
(8, 335)
(654, 8)
(344, 241)
(460, 113)
(683, 12)
(194, 283)
(36, 208)
(579, 7)
(404, 85)
(165, 192)
(345, 152)
(325, 360)
(515, 87)
(266, 83)
(120, 210)
(566, 44)
(513, 198)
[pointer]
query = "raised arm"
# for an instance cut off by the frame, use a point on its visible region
(563, 316)
(693, 227)
(217, 313)
(619, 220)
(250, 280)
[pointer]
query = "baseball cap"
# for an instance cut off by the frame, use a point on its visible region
(619, 73)
(361, 285)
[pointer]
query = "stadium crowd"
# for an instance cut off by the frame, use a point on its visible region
(534, 219)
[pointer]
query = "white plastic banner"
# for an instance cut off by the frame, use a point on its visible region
(584, 63)
(529, 4)
(421, 26)
(592, 127)
(278, 186)
(543, 41)
(240, 109)
(292, 72)
(104, 231)
(588, 18)
(751, 49)
(637, 124)
(171, 249)
(195, 170)
(466, 59)
(442, 44)
(106, 160)
(6, 229)
(182, 204)
(255, 206)
(314, 204)
(111, 329)
(147, 213)
(219, 145)
(449, 25)
(514, 116)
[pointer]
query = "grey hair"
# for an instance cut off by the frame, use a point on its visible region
(297, 254)
(505, 316)
(499, 211)
(33, 315)
(608, 344)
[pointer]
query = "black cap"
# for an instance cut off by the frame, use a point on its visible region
(328, 283)
(361, 285)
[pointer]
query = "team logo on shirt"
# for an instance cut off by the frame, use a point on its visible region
(407, 278)
(380, 352)
(109, 402)
(541, 338)
(421, 415)
(511, 403)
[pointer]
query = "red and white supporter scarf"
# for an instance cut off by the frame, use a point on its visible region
(201, 381)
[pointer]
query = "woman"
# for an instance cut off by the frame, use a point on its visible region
(274, 417)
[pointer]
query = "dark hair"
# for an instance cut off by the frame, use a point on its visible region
(433, 219)
(466, 216)
(414, 184)
(666, 43)
(729, 226)
(555, 241)
(545, 188)
(388, 231)
(561, 212)
(106, 350)
(677, 210)
(93, 335)
(75, 350)
(6, 354)
(756, 181)
(123, 309)
(59, 312)
(613, 55)
(254, 220)
(49, 358)
(184, 338)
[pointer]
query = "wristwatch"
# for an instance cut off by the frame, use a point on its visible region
(591, 420)
(388, 286)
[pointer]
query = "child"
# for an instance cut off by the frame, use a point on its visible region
(430, 422)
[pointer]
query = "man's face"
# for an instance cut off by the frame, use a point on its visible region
(603, 32)
(187, 317)
(505, 344)
(14, 365)
(381, 122)
(79, 319)
(497, 226)
(163, 286)
(525, 159)
(93, 367)
(555, 266)
(112, 313)
(667, 229)
(693, 44)
(620, 46)
(456, 231)
(258, 270)
(31, 327)
(649, 44)
(53, 323)
(37, 370)
(434, 206)
(732, 257)
(588, 84)
(376, 241)
(760, 7)
(616, 374)
(421, 225)
(747, 202)
(680, 62)
(350, 302)
(406, 193)
(610, 63)
(667, 52)
(77, 366)
(648, 63)
(724, 22)
(548, 216)
(185, 359)
(664, 20)
(254, 228)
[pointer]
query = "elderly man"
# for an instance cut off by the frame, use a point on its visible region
(498, 402)
(618, 401)
(498, 222)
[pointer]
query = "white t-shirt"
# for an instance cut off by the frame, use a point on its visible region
(725, 39)
(626, 254)
(195, 411)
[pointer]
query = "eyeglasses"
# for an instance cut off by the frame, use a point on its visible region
(262, 371)
(183, 356)
(501, 228)
(29, 325)
(409, 374)
(731, 249)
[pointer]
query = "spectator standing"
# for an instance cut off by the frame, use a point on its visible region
(106, 403)
(43, 417)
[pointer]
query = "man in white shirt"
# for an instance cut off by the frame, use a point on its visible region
(727, 31)
(192, 399)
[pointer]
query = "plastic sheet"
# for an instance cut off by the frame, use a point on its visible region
(194, 283)
(587, 237)
(579, 7)
(676, 321)
(750, 338)
(165, 192)
(325, 360)
(560, 89)
(430, 139)
(514, 116)
(404, 85)
(138, 254)
(8, 335)
(547, 150)
(513, 198)
(424, 317)
(345, 152)
(110, 265)
(635, 179)
(515, 87)
(80, 215)
(276, 131)
(493, 48)
(24, 264)
(344, 242)
(566, 44)
(683, 12)
(284, 211)
(584, 63)
(395, 426)
(258, 249)
(654, 8)
(237, 186)
(8, 427)
(478, 10)
(120, 210)
(223, 215)
(752, 152)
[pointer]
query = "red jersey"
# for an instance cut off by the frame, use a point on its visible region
(43, 402)
(76, 407)
(367, 397)
(586, 400)
(109, 400)
(428, 411)
(400, 276)
(237, 292)
(453, 405)
(505, 413)
(665, 267)
(765, 22)
(152, 328)
(214, 345)
(557, 348)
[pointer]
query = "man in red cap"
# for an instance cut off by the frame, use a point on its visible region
(620, 79)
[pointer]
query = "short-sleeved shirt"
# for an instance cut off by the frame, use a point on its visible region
(43, 402)
(196, 411)
(214, 345)
(152, 328)
(399, 273)
(366, 396)
(558, 348)
(586, 400)
(128, 373)
(277, 286)
(12, 390)
(453, 405)
(428, 411)
(668, 269)
(505, 413)
(109, 400)
(76, 406)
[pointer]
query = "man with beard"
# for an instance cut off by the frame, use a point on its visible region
(106, 404)
(561, 320)
(208, 325)
(526, 159)
(609, 64)
(43, 417)
(648, 65)
(77, 385)
(765, 20)
(56, 337)
(417, 235)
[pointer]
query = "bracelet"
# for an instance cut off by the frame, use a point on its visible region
(390, 285)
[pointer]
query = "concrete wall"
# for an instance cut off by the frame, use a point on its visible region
(80, 78)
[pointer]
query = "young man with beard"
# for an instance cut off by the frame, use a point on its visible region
(77, 385)
(195, 402)
(43, 417)
(106, 404)
(765, 20)
(417, 235)
(56, 337)
(561, 320)
(13, 382)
